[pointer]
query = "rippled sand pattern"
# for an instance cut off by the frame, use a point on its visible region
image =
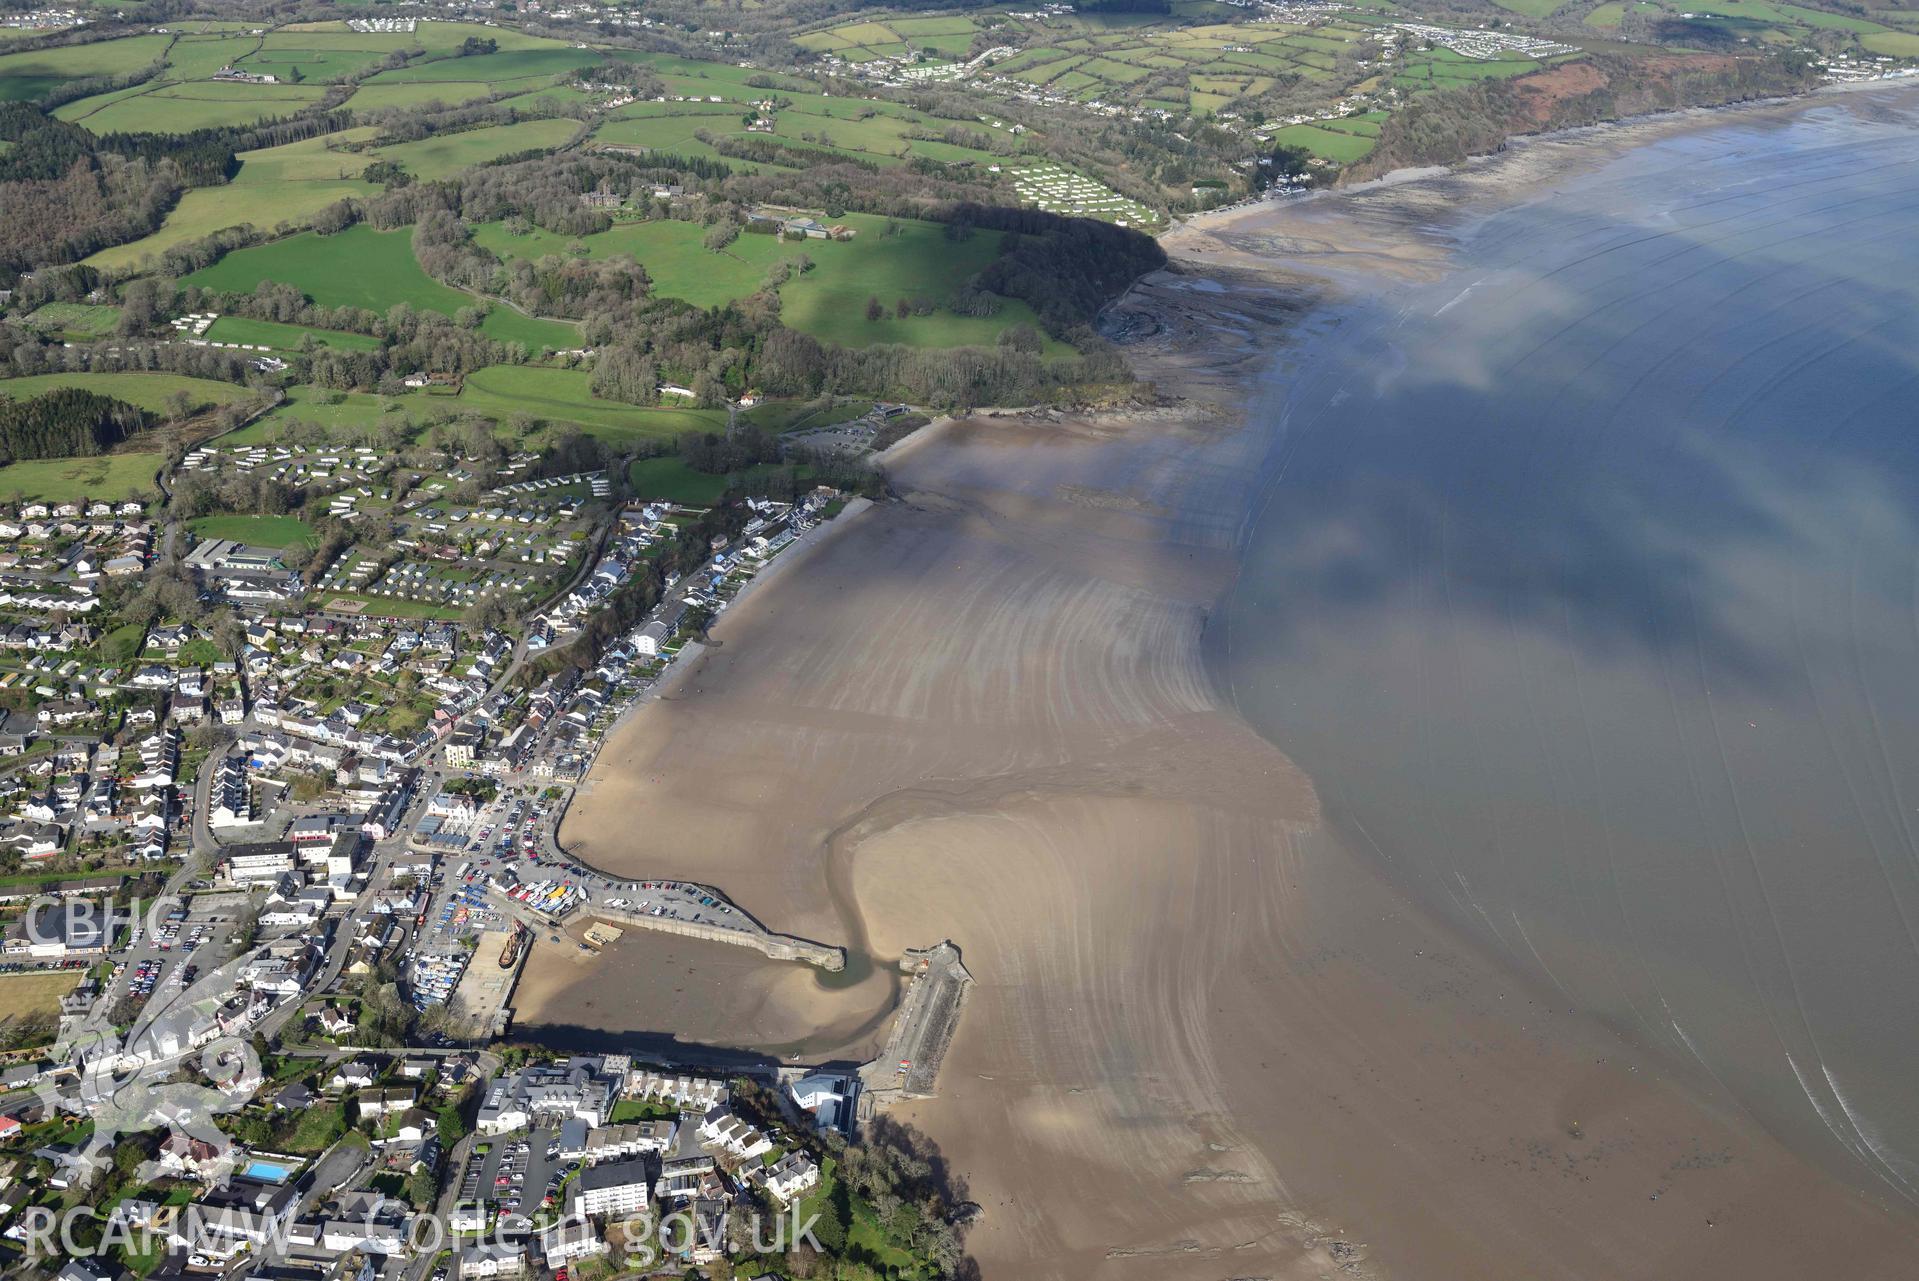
(1207, 1041)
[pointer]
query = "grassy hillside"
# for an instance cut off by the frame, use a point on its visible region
(564, 395)
(375, 270)
(112, 477)
(149, 391)
(914, 261)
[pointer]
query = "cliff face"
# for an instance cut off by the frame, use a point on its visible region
(1447, 127)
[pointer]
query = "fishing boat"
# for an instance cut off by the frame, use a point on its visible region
(510, 954)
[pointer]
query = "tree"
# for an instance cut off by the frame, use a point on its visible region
(836, 1216)
(451, 1126)
(422, 1186)
(140, 304)
(246, 926)
(1021, 337)
(209, 736)
(254, 1130)
(874, 308)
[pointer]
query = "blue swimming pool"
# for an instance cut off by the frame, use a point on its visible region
(267, 1172)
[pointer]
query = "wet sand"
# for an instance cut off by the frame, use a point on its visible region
(1205, 1041)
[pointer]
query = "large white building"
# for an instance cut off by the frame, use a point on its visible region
(829, 1096)
(583, 1087)
(257, 862)
(60, 932)
(612, 1187)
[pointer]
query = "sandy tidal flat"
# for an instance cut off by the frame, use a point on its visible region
(1206, 1040)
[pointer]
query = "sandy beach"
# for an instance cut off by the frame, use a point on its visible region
(1206, 1041)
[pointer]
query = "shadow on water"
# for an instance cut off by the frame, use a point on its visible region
(1585, 589)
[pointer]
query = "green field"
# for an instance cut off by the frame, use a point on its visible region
(75, 320)
(112, 476)
(387, 97)
(1897, 44)
(876, 131)
(373, 270)
(1341, 147)
(863, 41)
(284, 338)
(670, 480)
(24, 994)
(672, 131)
(433, 35)
(829, 301)
(447, 154)
(318, 1127)
(870, 130)
(551, 97)
(672, 253)
(257, 531)
(182, 108)
(493, 68)
(358, 267)
(289, 184)
(185, 97)
(1444, 69)
(277, 184)
(352, 412)
(149, 391)
(564, 396)
(29, 75)
(1179, 65)
(317, 57)
(713, 79)
(1778, 23)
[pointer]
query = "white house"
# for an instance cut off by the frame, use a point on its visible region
(378, 1103)
(792, 1176)
(721, 1129)
(357, 1074)
(565, 1243)
(650, 638)
(492, 1259)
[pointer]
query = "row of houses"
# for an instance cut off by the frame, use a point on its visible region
(73, 509)
(43, 637)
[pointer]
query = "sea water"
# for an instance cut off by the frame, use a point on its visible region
(1587, 591)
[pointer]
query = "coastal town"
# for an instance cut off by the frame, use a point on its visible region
(307, 817)
(1073, 640)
